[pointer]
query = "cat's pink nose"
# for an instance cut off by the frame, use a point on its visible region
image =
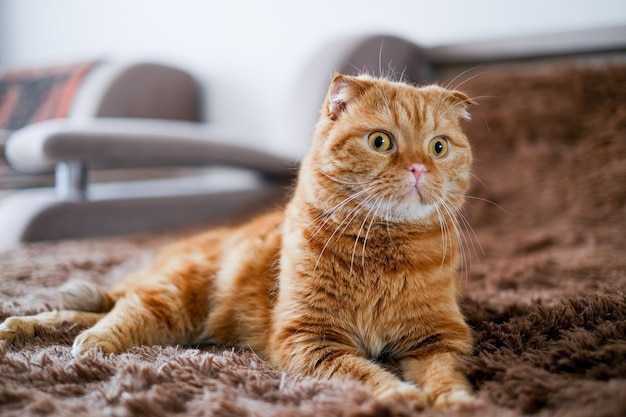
(417, 170)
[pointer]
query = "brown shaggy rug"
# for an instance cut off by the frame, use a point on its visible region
(545, 283)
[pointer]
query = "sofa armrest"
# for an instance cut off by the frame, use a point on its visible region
(130, 143)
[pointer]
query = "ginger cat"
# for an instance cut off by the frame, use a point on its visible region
(361, 268)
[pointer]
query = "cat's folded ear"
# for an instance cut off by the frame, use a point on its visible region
(342, 91)
(459, 102)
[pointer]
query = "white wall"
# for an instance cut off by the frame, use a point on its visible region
(247, 53)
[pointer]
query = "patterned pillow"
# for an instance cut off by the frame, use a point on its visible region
(32, 95)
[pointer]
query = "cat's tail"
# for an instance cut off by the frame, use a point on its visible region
(86, 296)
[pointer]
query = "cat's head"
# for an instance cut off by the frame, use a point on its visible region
(389, 148)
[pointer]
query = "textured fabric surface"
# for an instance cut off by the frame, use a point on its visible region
(545, 283)
(32, 95)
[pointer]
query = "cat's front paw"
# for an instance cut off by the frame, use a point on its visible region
(453, 399)
(13, 327)
(407, 392)
(103, 341)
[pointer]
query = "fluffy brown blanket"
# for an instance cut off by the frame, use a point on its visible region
(544, 283)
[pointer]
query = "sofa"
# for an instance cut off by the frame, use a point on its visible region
(103, 148)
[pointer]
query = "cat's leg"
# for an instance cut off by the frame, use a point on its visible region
(151, 315)
(380, 382)
(24, 326)
(319, 359)
(84, 304)
(439, 375)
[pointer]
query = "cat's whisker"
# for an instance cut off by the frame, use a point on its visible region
(392, 71)
(443, 226)
(356, 69)
(337, 207)
(471, 197)
(402, 75)
(369, 228)
(464, 243)
(325, 219)
(461, 219)
(468, 79)
(327, 214)
(461, 237)
(469, 227)
(451, 218)
(380, 57)
(448, 86)
(444, 231)
(387, 217)
(358, 234)
(349, 217)
(479, 180)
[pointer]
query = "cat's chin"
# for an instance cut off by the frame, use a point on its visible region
(410, 210)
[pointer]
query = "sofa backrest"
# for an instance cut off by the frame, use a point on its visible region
(138, 90)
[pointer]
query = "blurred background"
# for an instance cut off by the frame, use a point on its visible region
(248, 54)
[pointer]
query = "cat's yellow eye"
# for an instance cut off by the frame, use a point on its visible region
(438, 147)
(380, 141)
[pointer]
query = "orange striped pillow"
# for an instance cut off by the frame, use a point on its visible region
(32, 95)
